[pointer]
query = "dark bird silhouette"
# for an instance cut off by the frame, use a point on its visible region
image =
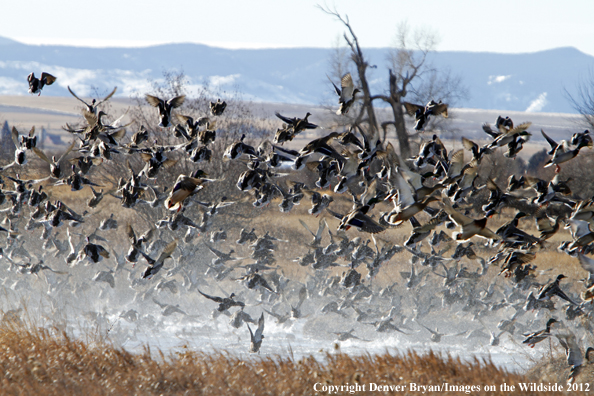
(553, 289)
(346, 93)
(37, 84)
(165, 107)
(224, 302)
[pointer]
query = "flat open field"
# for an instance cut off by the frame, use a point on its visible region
(91, 325)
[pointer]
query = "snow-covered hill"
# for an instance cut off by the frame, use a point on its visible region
(517, 82)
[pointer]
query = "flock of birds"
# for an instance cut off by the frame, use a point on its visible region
(434, 188)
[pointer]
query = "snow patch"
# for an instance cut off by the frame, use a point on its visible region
(538, 103)
(219, 81)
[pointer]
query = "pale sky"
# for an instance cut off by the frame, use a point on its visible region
(468, 25)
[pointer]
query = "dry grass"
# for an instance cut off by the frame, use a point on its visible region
(40, 361)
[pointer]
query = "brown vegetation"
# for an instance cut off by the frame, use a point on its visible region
(40, 361)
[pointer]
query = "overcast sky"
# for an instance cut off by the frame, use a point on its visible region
(466, 25)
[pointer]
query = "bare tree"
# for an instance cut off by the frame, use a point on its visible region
(409, 74)
(583, 102)
(361, 64)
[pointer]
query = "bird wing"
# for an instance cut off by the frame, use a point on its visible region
(177, 101)
(213, 298)
(306, 227)
(469, 144)
(68, 150)
(456, 163)
(520, 128)
(456, 216)
(411, 108)
(365, 223)
(15, 136)
(405, 195)
(551, 142)
(216, 252)
(41, 155)
(260, 329)
(487, 233)
(73, 94)
(488, 130)
(153, 100)
(131, 234)
(166, 252)
(321, 226)
(251, 333)
(346, 82)
(579, 228)
(288, 120)
(49, 79)
(333, 213)
(586, 262)
(336, 89)
(105, 99)
(440, 108)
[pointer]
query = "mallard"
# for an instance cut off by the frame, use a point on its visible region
(165, 107)
(224, 302)
(155, 159)
(561, 152)
(37, 84)
(237, 149)
(581, 233)
(85, 163)
(245, 236)
(321, 146)
(217, 108)
(254, 279)
(516, 259)
(319, 202)
(346, 93)
(507, 136)
(573, 353)
(20, 156)
(534, 338)
(582, 139)
(92, 108)
(297, 124)
(358, 218)
(76, 181)
(512, 234)
(184, 187)
(257, 337)
(317, 236)
(55, 217)
(436, 335)
(422, 113)
(470, 227)
(95, 253)
(156, 265)
(543, 224)
(54, 164)
(109, 223)
(553, 289)
(407, 206)
(222, 257)
(588, 265)
(477, 152)
(349, 171)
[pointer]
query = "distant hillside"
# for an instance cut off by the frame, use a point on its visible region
(518, 82)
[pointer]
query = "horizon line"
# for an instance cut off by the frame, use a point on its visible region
(131, 44)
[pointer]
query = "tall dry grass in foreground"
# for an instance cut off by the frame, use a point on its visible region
(42, 362)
